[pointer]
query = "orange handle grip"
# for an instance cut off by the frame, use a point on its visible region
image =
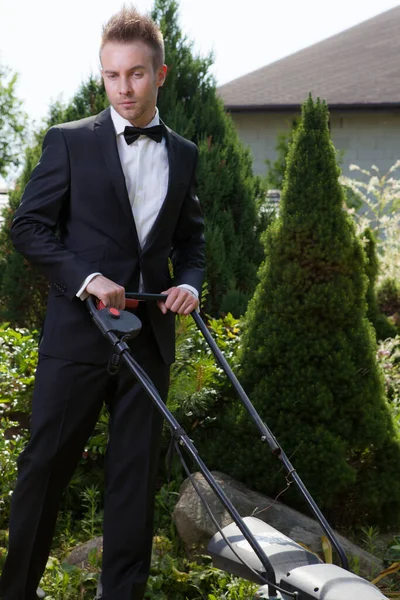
(129, 303)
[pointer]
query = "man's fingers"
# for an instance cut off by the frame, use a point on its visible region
(162, 307)
(190, 306)
(173, 295)
(109, 292)
(179, 301)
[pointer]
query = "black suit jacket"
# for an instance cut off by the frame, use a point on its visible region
(75, 218)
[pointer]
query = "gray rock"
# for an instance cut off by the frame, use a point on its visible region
(196, 528)
(79, 556)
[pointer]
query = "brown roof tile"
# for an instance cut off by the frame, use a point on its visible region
(358, 67)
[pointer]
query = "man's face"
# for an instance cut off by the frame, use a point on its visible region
(131, 81)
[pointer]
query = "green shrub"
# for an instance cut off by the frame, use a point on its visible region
(18, 359)
(62, 581)
(389, 360)
(383, 327)
(379, 195)
(308, 356)
(11, 444)
(198, 385)
(176, 578)
(388, 298)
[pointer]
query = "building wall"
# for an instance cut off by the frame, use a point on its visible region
(365, 138)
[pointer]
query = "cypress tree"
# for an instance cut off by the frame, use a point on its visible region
(227, 189)
(308, 355)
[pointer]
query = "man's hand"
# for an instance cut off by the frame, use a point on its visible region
(179, 301)
(110, 293)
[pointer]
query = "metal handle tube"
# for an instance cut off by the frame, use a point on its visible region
(151, 391)
(266, 433)
(122, 349)
(268, 436)
(144, 296)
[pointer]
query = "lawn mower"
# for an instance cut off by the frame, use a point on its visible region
(248, 547)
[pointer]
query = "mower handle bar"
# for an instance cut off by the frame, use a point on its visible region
(266, 433)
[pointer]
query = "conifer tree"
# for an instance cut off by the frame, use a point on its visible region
(227, 189)
(308, 356)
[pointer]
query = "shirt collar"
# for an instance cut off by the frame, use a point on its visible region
(120, 123)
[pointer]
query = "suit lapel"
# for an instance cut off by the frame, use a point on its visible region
(104, 129)
(166, 210)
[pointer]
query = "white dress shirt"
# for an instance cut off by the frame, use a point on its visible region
(146, 170)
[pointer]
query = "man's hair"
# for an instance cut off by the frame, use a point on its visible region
(128, 25)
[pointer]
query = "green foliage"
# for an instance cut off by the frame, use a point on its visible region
(11, 444)
(175, 578)
(23, 290)
(380, 197)
(18, 358)
(388, 356)
(62, 581)
(393, 552)
(388, 297)
(93, 519)
(227, 189)
(18, 355)
(172, 577)
(12, 121)
(276, 170)
(383, 327)
(308, 356)
(198, 385)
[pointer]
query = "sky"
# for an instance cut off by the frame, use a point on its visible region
(53, 45)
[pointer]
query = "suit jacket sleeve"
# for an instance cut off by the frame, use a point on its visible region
(188, 247)
(33, 231)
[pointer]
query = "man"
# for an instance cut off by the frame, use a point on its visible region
(105, 209)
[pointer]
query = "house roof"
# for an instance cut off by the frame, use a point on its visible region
(359, 67)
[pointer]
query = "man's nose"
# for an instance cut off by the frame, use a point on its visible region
(124, 87)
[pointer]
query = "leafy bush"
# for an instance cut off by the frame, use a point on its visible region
(388, 298)
(383, 326)
(10, 447)
(380, 196)
(18, 358)
(176, 578)
(172, 577)
(62, 581)
(198, 384)
(389, 360)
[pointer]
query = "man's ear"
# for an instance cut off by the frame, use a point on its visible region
(161, 75)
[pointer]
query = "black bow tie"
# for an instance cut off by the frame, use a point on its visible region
(131, 134)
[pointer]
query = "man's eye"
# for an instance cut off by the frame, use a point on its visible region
(138, 74)
(112, 76)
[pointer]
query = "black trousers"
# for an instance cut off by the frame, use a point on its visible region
(67, 401)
